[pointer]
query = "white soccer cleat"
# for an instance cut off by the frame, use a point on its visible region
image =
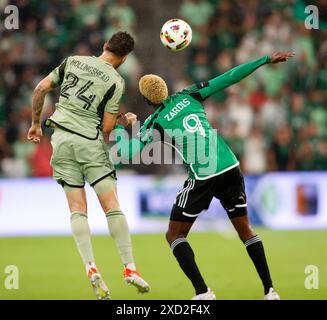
(272, 295)
(132, 277)
(100, 289)
(209, 295)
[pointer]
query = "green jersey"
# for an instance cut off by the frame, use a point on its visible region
(181, 122)
(89, 87)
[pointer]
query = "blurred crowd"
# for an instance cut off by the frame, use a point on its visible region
(48, 32)
(277, 118)
(274, 120)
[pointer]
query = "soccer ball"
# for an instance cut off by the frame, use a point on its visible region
(176, 34)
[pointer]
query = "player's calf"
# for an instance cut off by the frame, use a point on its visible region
(243, 227)
(118, 229)
(176, 237)
(255, 249)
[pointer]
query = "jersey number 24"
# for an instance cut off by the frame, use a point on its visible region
(72, 81)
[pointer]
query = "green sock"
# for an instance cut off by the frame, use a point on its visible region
(82, 236)
(118, 229)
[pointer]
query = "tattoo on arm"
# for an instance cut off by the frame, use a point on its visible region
(38, 99)
(37, 105)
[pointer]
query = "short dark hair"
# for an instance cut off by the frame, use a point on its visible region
(120, 44)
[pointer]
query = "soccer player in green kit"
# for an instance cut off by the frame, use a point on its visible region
(91, 90)
(180, 121)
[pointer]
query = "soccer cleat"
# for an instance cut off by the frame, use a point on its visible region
(272, 295)
(100, 289)
(209, 295)
(132, 277)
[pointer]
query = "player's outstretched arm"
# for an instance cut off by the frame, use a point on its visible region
(40, 91)
(240, 72)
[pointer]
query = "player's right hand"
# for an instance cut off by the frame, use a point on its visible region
(277, 57)
(35, 133)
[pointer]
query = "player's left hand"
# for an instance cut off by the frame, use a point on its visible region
(131, 117)
(277, 57)
(126, 119)
(35, 133)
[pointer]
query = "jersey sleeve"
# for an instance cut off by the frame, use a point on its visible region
(231, 77)
(145, 132)
(149, 132)
(128, 148)
(204, 90)
(57, 74)
(113, 103)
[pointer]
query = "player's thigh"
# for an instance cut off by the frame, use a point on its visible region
(66, 170)
(106, 190)
(76, 198)
(192, 199)
(230, 190)
(95, 160)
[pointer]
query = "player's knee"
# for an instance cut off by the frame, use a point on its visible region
(243, 227)
(245, 232)
(171, 236)
(76, 199)
(109, 204)
(77, 206)
(168, 237)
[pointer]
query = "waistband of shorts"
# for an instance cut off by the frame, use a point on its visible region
(49, 123)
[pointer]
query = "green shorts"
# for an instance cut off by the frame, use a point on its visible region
(76, 159)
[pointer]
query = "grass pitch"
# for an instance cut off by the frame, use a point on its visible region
(50, 268)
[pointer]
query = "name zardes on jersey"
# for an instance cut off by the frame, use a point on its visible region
(178, 108)
(92, 70)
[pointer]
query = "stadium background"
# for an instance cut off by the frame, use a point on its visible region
(275, 121)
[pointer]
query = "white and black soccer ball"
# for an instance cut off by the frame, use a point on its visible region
(176, 34)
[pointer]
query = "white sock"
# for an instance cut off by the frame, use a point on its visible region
(130, 266)
(90, 265)
(119, 231)
(82, 235)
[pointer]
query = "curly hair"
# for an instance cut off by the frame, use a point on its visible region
(153, 88)
(120, 44)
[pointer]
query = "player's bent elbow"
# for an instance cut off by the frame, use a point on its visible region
(38, 90)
